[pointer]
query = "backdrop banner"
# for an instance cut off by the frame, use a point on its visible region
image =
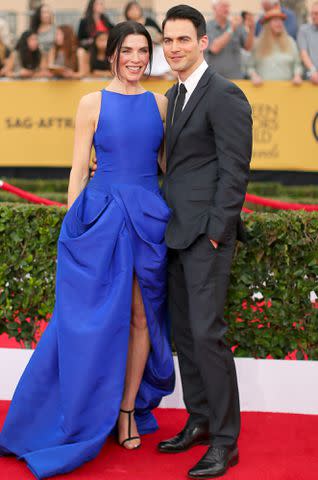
(37, 122)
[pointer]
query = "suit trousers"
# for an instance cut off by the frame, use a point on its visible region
(198, 279)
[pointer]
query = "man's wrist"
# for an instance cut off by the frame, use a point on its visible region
(312, 71)
(229, 29)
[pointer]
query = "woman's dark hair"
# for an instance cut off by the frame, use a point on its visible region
(36, 18)
(29, 59)
(69, 47)
(117, 36)
(128, 7)
(94, 51)
(89, 15)
(185, 12)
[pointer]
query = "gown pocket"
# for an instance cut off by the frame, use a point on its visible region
(86, 211)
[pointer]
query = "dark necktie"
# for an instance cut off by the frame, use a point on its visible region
(179, 102)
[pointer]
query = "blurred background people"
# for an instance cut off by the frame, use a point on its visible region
(65, 59)
(5, 53)
(226, 38)
(42, 23)
(93, 22)
(27, 60)
(5, 33)
(160, 67)
(99, 66)
(299, 7)
(308, 45)
(275, 55)
(133, 11)
(290, 21)
(246, 54)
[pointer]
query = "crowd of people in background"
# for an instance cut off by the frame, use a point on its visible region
(272, 47)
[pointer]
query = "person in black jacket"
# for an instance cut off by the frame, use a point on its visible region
(133, 11)
(209, 145)
(93, 22)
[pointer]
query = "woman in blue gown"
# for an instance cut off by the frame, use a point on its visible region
(105, 358)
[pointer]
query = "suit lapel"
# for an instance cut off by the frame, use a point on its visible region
(173, 131)
(171, 99)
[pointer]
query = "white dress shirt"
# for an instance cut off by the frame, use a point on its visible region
(192, 81)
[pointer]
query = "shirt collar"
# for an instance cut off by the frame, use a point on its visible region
(192, 81)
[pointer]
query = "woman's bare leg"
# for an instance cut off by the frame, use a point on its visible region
(138, 351)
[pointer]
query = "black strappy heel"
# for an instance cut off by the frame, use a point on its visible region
(129, 413)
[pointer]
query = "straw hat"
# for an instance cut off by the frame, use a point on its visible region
(273, 13)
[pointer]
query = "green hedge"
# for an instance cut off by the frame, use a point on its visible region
(280, 261)
(273, 190)
(39, 185)
(56, 196)
(265, 189)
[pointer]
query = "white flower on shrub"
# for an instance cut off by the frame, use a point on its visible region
(27, 275)
(257, 296)
(313, 297)
(305, 277)
(7, 284)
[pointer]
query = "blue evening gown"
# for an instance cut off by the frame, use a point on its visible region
(67, 401)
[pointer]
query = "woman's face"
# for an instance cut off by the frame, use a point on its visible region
(59, 37)
(46, 15)
(32, 42)
(276, 26)
(133, 58)
(99, 7)
(101, 42)
(134, 13)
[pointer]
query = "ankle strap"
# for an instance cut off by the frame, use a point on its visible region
(127, 411)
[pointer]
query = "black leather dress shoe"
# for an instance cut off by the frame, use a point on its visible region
(189, 437)
(215, 462)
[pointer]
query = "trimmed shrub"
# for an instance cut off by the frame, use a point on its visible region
(56, 196)
(264, 189)
(268, 310)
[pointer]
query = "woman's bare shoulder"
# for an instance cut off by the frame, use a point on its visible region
(89, 104)
(90, 100)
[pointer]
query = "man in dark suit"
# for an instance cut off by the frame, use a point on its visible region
(209, 142)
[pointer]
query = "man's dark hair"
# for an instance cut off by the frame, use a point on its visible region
(185, 12)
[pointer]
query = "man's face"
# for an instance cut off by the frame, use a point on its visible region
(222, 9)
(314, 14)
(182, 48)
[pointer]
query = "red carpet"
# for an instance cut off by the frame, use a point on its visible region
(272, 447)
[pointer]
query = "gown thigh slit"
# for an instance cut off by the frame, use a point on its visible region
(67, 401)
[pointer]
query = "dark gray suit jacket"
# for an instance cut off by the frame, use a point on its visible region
(208, 156)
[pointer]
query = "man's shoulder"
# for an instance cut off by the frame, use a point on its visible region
(305, 28)
(211, 22)
(211, 27)
(221, 88)
(288, 12)
(169, 92)
(219, 82)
